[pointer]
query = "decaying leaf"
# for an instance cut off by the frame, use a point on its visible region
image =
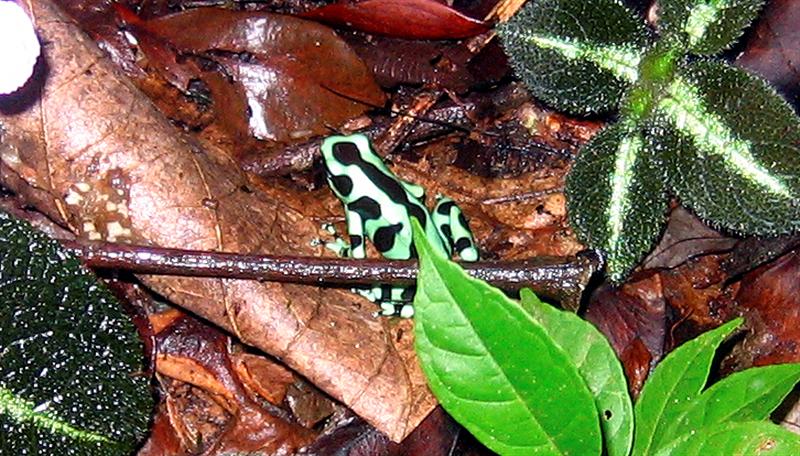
(84, 146)
(769, 299)
(633, 318)
(193, 354)
(278, 64)
(774, 49)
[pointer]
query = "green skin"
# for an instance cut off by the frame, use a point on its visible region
(379, 206)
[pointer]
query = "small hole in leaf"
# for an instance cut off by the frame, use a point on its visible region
(607, 414)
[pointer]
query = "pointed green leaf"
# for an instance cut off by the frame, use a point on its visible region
(730, 144)
(756, 438)
(706, 27)
(675, 382)
(494, 368)
(748, 395)
(71, 380)
(597, 363)
(616, 198)
(575, 55)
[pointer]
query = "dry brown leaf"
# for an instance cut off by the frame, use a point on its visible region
(266, 378)
(86, 148)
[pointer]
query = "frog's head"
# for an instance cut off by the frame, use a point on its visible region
(345, 150)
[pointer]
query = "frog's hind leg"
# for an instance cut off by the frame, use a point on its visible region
(394, 301)
(453, 227)
(416, 190)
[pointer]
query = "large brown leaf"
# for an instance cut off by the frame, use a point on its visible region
(84, 146)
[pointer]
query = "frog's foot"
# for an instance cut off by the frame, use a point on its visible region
(396, 309)
(373, 294)
(329, 228)
(339, 247)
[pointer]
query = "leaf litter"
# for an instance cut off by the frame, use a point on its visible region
(241, 94)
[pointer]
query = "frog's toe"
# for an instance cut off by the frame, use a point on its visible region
(368, 293)
(328, 227)
(406, 311)
(388, 309)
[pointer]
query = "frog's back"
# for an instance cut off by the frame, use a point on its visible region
(383, 201)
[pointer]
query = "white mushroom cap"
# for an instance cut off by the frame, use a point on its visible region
(19, 47)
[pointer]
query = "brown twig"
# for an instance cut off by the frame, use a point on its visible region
(563, 279)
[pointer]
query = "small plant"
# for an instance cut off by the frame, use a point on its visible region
(526, 378)
(721, 140)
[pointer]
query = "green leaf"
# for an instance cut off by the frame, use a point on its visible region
(71, 380)
(597, 363)
(730, 146)
(494, 368)
(577, 56)
(757, 438)
(706, 27)
(616, 198)
(748, 395)
(675, 382)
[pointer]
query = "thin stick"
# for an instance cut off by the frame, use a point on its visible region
(563, 279)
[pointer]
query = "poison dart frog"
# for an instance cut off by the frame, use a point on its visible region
(379, 206)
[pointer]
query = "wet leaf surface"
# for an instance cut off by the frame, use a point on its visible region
(441, 63)
(412, 19)
(634, 319)
(277, 62)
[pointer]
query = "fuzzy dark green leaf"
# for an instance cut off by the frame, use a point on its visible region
(749, 438)
(71, 380)
(730, 145)
(578, 56)
(598, 365)
(616, 198)
(706, 27)
(676, 382)
(494, 368)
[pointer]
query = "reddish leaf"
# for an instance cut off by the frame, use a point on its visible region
(299, 78)
(770, 300)
(193, 353)
(444, 64)
(412, 19)
(633, 318)
(262, 376)
(774, 49)
(699, 295)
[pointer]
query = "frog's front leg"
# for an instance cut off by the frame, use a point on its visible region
(355, 231)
